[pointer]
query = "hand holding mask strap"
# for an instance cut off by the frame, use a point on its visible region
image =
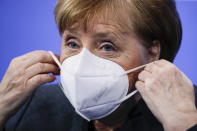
(135, 91)
(59, 64)
(55, 59)
(135, 69)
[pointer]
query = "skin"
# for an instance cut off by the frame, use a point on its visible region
(160, 82)
(169, 94)
(104, 40)
(23, 76)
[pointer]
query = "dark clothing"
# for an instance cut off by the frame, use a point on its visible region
(49, 110)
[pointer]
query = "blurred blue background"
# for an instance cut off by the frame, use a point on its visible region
(29, 25)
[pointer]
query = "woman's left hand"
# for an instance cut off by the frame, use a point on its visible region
(169, 94)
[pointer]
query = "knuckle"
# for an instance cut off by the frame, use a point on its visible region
(41, 66)
(142, 75)
(137, 83)
(16, 74)
(15, 63)
(40, 54)
(139, 76)
(149, 67)
(43, 56)
(16, 82)
(15, 60)
(167, 69)
(143, 72)
(171, 68)
(21, 72)
(163, 61)
(150, 82)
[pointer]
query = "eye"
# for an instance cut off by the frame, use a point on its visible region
(73, 45)
(107, 46)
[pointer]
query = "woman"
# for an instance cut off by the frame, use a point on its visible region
(126, 34)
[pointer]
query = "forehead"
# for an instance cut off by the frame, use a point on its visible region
(99, 31)
(114, 17)
(102, 25)
(96, 28)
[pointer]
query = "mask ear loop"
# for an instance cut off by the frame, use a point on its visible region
(59, 64)
(55, 59)
(128, 96)
(135, 91)
(135, 69)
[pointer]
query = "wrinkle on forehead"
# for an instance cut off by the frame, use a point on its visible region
(99, 30)
(101, 27)
(115, 17)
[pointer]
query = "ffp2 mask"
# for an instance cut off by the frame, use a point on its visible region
(94, 86)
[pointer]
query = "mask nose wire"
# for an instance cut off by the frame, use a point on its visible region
(55, 59)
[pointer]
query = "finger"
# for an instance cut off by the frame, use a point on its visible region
(151, 68)
(13, 74)
(38, 57)
(38, 80)
(14, 67)
(27, 60)
(41, 68)
(140, 85)
(161, 63)
(33, 54)
(144, 75)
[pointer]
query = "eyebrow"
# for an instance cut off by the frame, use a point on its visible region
(104, 34)
(109, 35)
(72, 31)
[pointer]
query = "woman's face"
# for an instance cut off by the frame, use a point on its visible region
(105, 40)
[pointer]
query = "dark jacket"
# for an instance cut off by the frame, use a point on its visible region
(49, 110)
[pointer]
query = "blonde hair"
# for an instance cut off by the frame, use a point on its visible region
(149, 19)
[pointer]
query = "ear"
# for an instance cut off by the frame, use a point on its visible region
(154, 51)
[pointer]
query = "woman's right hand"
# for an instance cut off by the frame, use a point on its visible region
(23, 76)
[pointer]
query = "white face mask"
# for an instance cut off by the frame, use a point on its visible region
(94, 86)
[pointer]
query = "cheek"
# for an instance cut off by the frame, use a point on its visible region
(131, 60)
(62, 58)
(63, 55)
(132, 80)
(133, 76)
